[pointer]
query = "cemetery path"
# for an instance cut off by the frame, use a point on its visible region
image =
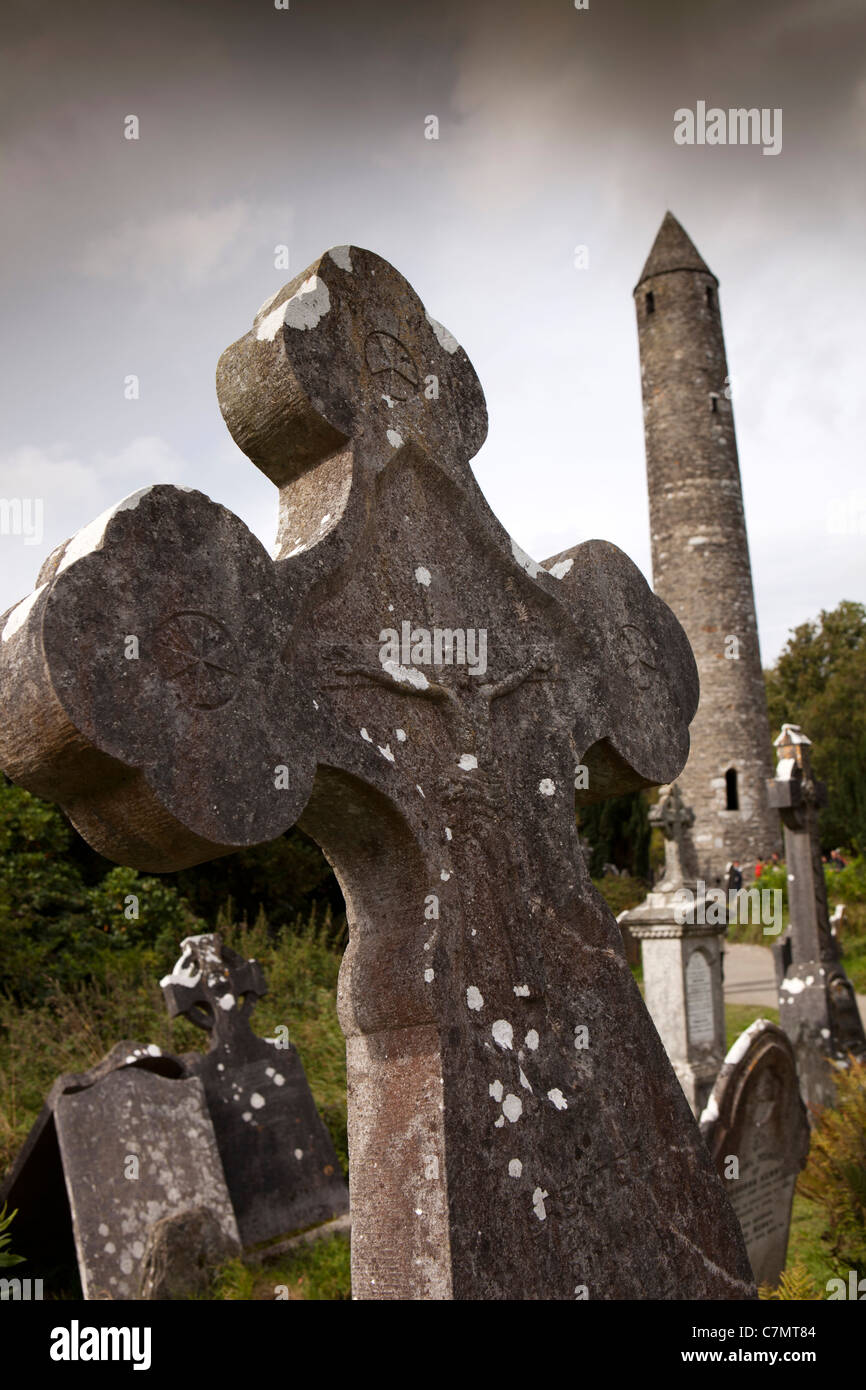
(750, 978)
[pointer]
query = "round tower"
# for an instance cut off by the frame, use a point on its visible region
(700, 552)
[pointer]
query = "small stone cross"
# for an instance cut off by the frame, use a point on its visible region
(215, 988)
(515, 1128)
(674, 818)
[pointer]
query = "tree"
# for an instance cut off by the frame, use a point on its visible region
(819, 682)
(618, 831)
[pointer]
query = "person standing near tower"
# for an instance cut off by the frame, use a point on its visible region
(700, 551)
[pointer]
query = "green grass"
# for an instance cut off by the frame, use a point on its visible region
(739, 1016)
(853, 944)
(316, 1272)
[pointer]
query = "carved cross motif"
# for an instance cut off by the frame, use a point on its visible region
(479, 957)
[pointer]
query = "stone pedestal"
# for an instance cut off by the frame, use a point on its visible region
(682, 971)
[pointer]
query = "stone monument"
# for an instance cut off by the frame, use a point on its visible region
(682, 949)
(281, 1169)
(756, 1127)
(117, 1148)
(515, 1128)
(817, 1003)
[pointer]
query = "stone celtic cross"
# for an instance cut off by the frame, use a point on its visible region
(674, 819)
(515, 1128)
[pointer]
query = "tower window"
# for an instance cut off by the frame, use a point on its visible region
(714, 403)
(711, 301)
(731, 796)
(650, 302)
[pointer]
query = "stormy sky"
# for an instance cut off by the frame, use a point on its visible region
(305, 127)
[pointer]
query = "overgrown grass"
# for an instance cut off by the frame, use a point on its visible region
(74, 1028)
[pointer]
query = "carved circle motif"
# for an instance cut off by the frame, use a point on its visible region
(637, 655)
(196, 653)
(392, 364)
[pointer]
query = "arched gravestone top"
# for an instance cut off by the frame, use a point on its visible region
(756, 1117)
(264, 691)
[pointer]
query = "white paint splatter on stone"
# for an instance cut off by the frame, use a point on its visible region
(474, 997)
(525, 561)
(467, 761)
(531, 1040)
(560, 570)
(515, 1168)
(503, 1033)
(20, 613)
(496, 1090)
(512, 1108)
(538, 1200)
(446, 340)
(306, 307)
(91, 536)
(408, 675)
(558, 1098)
(341, 257)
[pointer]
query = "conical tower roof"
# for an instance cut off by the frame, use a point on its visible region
(673, 249)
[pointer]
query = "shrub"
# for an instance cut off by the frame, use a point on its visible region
(835, 1175)
(847, 885)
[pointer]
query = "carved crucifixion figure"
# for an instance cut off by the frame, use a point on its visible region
(515, 1128)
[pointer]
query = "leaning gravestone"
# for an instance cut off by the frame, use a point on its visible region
(515, 1128)
(135, 1149)
(756, 1127)
(281, 1169)
(117, 1148)
(681, 930)
(817, 1003)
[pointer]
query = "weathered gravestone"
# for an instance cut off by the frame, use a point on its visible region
(756, 1127)
(118, 1148)
(817, 1003)
(681, 930)
(349, 685)
(281, 1169)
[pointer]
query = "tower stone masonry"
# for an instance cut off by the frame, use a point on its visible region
(700, 552)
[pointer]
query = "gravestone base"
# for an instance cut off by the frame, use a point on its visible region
(682, 972)
(697, 1082)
